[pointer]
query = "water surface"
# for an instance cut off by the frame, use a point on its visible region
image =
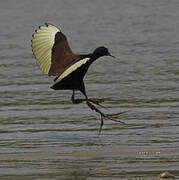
(44, 136)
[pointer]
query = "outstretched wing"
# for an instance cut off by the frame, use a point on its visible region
(51, 50)
(42, 43)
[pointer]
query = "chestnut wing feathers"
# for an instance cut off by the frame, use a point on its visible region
(51, 50)
(62, 55)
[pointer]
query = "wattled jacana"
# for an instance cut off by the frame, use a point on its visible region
(55, 58)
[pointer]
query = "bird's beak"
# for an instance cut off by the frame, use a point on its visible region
(111, 55)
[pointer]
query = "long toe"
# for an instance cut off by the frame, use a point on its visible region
(96, 101)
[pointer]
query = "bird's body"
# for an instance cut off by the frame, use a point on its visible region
(55, 58)
(74, 81)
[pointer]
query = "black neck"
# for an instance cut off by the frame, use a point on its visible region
(91, 55)
(82, 56)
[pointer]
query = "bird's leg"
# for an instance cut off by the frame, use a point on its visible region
(92, 107)
(76, 101)
(113, 117)
(96, 101)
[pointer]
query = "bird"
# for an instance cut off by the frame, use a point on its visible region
(55, 58)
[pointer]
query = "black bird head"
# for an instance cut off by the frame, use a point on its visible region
(102, 51)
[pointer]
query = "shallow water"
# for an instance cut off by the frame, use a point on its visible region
(44, 136)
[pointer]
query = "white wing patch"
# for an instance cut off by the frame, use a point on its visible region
(42, 43)
(71, 69)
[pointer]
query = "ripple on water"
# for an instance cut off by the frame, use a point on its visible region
(43, 135)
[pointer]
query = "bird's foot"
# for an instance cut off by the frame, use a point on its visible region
(112, 117)
(96, 101)
(77, 101)
(92, 100)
